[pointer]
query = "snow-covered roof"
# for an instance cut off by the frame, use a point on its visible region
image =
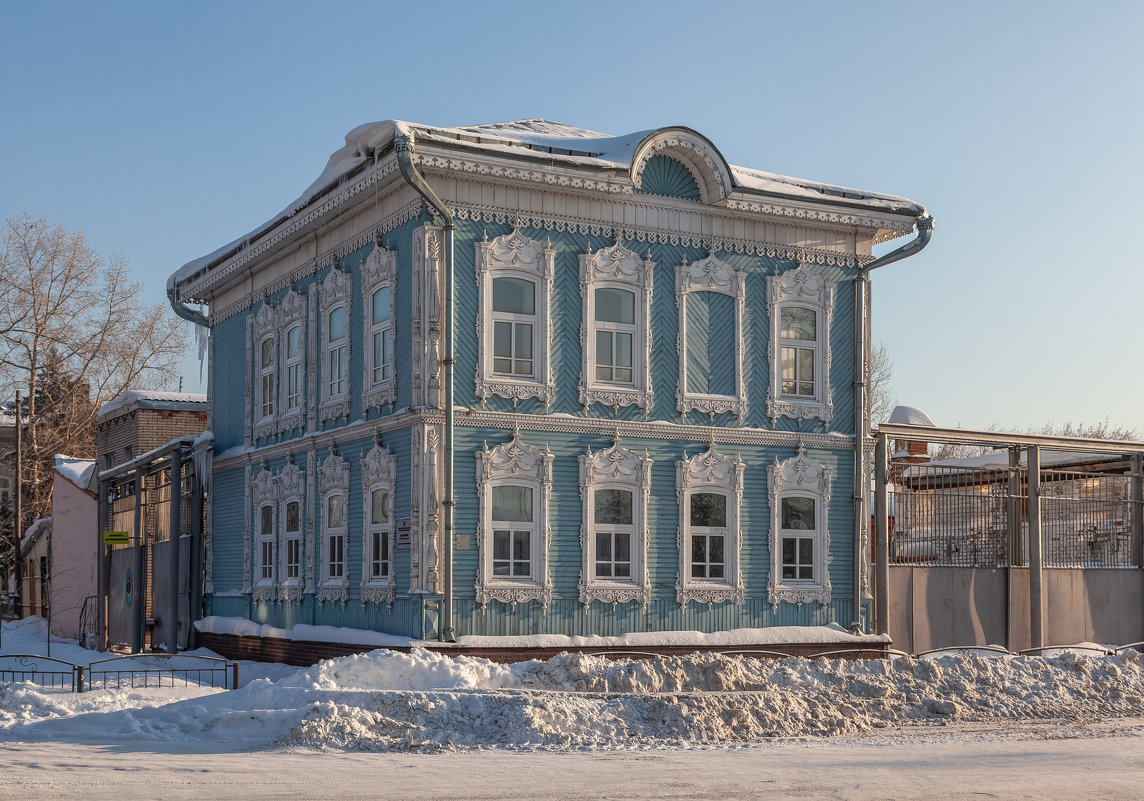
(152, 399)
(910, 415)
(557, 142)
(1000, 458)
(77, 471)
(37, 529)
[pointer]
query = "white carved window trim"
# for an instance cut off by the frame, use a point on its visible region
(515, 256)
(800, 287)
(378, 271)
(378, 472)
(264, 490)
(291, 314)
(800, 477)
(514, 463)
(334, 293)
(334, 479)
(711, 275)
(265, 327)
(615, 468)
(619, 268)
(291, 489)
(710, 472)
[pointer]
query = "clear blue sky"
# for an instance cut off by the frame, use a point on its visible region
(165, 130)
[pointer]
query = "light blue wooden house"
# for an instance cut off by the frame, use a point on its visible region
(640, 415)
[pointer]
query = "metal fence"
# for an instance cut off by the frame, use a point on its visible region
(135, 671)
(970, 515)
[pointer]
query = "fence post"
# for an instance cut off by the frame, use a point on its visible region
(1013, 552)
(1036, 589)
(881, 537)
(79, 678)
(234, 675)
(139, 581)
(175, 491)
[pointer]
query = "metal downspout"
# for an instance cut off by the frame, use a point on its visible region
(861, 407)
(196, 317)
(403, 146)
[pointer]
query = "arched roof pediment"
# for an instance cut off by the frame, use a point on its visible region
(694, 151)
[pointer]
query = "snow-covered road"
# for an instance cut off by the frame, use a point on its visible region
(961, 761)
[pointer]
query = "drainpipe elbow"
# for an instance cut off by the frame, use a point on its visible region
(196, 317)
(925, 231)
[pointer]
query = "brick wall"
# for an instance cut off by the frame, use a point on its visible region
(142, 430)
(303, 653)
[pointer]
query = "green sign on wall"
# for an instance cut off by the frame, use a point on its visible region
(116, 538)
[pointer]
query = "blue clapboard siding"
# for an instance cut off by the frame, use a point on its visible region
(228, 491)
(710, 343)
(228, 382)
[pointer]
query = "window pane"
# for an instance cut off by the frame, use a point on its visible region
(523, 338)
(699, 549)
(604, 546)
(798, 513)
(623, 350)
(789, 546)
(604, 347)
(614, 507)
(798, 323)
(512, 504)
(520, 544)
(268, 352)
(502, 339)
(514, 295)
(615, 306)
(500, 545)
(788, 364)
(806, 364)
(709, 509)
(336, 511)
(806, 551)
(337, 324)
(267, 528)
(294, 342)
(623, 547)
(292, 516)
(381, 305)
(715, 548)
(379, 506)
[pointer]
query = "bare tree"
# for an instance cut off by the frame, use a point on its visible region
(75, 332)
(882, 400)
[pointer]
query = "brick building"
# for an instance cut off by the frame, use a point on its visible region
(139, 421)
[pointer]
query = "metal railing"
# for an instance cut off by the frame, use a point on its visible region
(135, 671)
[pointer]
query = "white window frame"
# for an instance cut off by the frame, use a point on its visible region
(711, 275)
(615, 468)
(616, 267)
(378, 472)
(378, 271)
(334, 479)
(800, 287)
(710, 472)
(514, 463)
(515, 256)
(334, 293)
(291, 489)
(291, 314)
(800, 477)
(264, 327)
(264, 492)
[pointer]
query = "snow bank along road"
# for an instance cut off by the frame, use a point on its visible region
(425, 701)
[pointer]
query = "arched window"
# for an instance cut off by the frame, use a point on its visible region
(333, 489)
(514, 480)
(264, 358)
(799, 304)
(614, 484)
(514, 285)
(709, 488)
(264, 490)
(616, 287)
(291, 491)
(335, 307)
(379, 284)
(799, 495)
(378, 478)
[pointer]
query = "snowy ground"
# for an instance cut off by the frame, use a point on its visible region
(422, 725)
